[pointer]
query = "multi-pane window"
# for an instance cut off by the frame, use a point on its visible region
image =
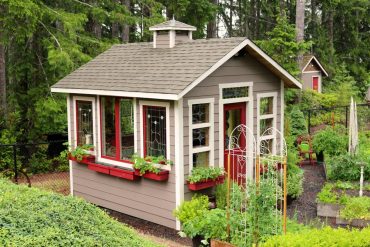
(84, 121)
(200, 134)
(155, 136)
(234, 92)
(267, 121)
(117, 126)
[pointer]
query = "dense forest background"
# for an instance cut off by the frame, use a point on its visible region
(41, 41)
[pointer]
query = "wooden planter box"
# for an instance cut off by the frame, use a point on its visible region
(98, 168)
(123, 173)
(85, 159)
(328, 209)
(161, 176)
(219, 243)
(355, 222)
(205, 184)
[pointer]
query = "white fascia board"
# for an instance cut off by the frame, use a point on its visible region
(317, 61)
(223, 60)
(116, 93)
(172, 28)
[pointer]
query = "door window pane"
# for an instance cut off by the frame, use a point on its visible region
(108, 127)
(201, 159)
(232, 120)
(127, 128)
(265, 124)
(155, 131)
(84, 123)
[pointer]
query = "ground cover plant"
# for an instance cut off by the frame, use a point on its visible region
(32, 217)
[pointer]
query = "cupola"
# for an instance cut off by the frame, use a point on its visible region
(170, 33)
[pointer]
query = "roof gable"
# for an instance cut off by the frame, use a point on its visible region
(311, 60)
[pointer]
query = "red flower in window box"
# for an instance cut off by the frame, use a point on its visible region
(205, 183)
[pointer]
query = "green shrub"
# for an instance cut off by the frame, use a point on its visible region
(323, 237)
(31, 217)
(188, 210)
(356, 208)
(297, 123)
(295, 175)
(345, 167)
(331, 142)
(221, 194)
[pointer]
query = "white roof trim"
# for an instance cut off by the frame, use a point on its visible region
(172, 28)
(317, 61)
(244, 43)
(116, 93)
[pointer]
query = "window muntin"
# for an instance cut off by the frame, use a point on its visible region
(85, 133)
(155, 135)
(235, 92)
(201, 137)
(117, 120)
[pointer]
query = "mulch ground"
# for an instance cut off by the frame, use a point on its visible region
(304, 208)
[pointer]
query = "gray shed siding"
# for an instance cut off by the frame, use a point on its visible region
(244, 69)
(150, 200)
(307, 79)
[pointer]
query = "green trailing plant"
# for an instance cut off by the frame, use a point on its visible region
(200, 174)
(188, 210)
(34, 217)
(356, 208)
(326, 236)
(149, 163)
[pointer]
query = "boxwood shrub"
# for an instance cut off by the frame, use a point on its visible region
(31, 217)
(326, 236)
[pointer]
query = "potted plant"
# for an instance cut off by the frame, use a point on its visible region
(81, 154)
(149, 167)
(205, 177)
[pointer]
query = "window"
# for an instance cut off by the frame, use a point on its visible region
(201, 133)
(235, 92)
(266, 119)
(84, 120)
(117, 128)
(155, 135)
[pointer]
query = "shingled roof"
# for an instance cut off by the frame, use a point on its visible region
(307, 59)
(172, 25)
(140, 68)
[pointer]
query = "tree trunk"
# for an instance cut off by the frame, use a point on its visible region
(282, 7)
(3, 103)
(252, 22)
(313, 18)
(299, 24)
(230, 31)
(212, 24)
(258, 15)
(331, 35)
(126, 28)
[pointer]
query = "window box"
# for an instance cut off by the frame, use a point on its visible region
(205, 183)
(86, 159)
(98, 168)
(123, 173)
(161, 176)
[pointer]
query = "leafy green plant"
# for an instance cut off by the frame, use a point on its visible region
(33, 217)
(149, 163)
(345, 167)
(199, 174)
(326, 195)
(78, 152)
(294, 175)
(191, 209)
(297, 122)
(356, 208)
(330, 142)
(326, 236)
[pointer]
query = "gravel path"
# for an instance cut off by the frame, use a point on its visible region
(304, 208)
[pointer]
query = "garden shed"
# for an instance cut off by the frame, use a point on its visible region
(312, 73)
(174, 97)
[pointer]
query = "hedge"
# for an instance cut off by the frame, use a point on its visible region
(32, 217)
(324, 237)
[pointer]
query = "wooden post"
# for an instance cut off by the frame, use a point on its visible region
(361, 180)
(285, 195)
(257, 175)
(228, 196)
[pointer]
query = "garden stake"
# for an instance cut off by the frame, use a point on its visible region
(361, 180)
(285, 195)
(228, 196)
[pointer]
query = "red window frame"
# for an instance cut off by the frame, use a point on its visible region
(145, 125)
(117, 128)
(77, 118)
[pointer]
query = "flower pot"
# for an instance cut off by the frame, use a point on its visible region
(98, 168)
(123, 173)
(161, 176)
(205, 184)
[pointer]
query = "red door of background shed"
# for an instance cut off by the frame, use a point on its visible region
(315, 83)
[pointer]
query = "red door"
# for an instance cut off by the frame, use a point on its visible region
(234, 115)
(315, 83)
